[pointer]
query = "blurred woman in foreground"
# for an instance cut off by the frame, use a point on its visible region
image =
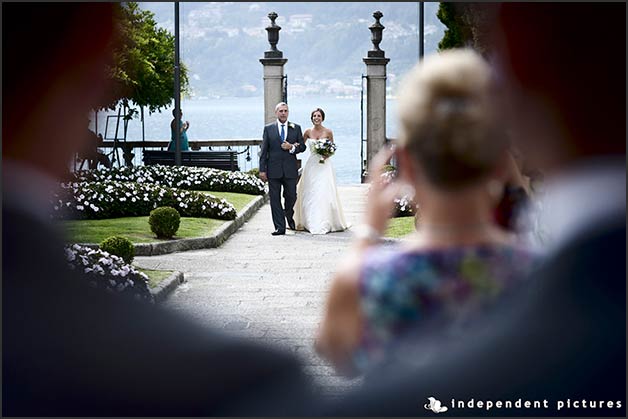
(453, 152)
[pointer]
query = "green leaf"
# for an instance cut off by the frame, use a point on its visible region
(143, 72)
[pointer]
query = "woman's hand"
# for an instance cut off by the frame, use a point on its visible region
(381, 196)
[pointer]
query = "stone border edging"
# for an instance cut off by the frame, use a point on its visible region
(215, 240)
(167, 286)
(220, 235)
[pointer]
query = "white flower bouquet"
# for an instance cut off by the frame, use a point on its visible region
(324, 148)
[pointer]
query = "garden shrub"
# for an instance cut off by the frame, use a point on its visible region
(405, 205)
(119, 246)
(181, 177)
(164, 222)
(108, 272)
(111, 199)
(389, 168)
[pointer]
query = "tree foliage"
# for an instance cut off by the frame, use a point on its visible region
(143, 72)
(457, 34)
(468, 25)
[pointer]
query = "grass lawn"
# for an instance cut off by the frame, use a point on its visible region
(155, 277)
(137, 229)
(238, 200)
(400, 226)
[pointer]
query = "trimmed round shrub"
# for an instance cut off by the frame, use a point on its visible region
(164, 222)
(119, 246)
(254, 171)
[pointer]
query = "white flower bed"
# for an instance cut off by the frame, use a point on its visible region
(111, 199)
(404, 206)
(108, 272)
(181, 177)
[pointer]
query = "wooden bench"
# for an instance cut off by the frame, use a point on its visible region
(224, 160)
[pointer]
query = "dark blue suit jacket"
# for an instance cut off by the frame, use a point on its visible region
(276, 162)
(69, 350)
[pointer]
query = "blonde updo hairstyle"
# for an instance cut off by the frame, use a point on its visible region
(448, 123)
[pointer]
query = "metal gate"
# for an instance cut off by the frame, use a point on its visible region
(363, 140)
(284, 88)
(115, 153)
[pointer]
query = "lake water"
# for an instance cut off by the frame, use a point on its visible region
(228, 118)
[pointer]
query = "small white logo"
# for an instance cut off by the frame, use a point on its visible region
(435, 406)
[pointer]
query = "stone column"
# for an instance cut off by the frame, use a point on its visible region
(375, 92)
(273, 63)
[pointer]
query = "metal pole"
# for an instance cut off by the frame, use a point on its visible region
(362, 165)
(421, 30)
(177, 89)
(143, 131)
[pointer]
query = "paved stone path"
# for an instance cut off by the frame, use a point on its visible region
(269, 289)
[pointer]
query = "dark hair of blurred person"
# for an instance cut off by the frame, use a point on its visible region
(53, 74)
(452, 152)
(562, 337)
(67, 349)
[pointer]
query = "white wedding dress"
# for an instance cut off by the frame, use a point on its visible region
(318, 208)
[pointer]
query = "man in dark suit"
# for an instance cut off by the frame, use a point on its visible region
(559, 342)
(282, 141)
(68, 349)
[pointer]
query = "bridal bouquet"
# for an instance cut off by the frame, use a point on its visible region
(324, 148)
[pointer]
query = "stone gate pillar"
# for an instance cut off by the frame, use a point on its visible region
(375, 92)
(273, 63)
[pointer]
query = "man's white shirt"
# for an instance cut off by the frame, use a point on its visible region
(285, 130)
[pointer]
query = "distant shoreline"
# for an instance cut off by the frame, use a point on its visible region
(260, 97)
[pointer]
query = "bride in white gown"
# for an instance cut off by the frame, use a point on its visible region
(318, 208)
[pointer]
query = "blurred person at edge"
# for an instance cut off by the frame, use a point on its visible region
(68, 350)
(562, 336)
(453, 153)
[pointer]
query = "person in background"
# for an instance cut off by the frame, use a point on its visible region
(183, 132)
(561, 338)
(282, 140)
(69, 349)
(91, 152)
(453, 154)
(318, 209)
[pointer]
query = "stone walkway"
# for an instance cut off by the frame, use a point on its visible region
(269, 289)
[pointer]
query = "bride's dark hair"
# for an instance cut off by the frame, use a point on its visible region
(317, 110)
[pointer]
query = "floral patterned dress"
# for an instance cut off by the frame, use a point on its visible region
(403, 290)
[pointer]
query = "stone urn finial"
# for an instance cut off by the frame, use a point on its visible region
(376, 35)
(273, 37)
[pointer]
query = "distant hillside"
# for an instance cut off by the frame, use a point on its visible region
(324, 43)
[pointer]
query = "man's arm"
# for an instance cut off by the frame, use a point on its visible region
(263, 156)
(300, 144)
